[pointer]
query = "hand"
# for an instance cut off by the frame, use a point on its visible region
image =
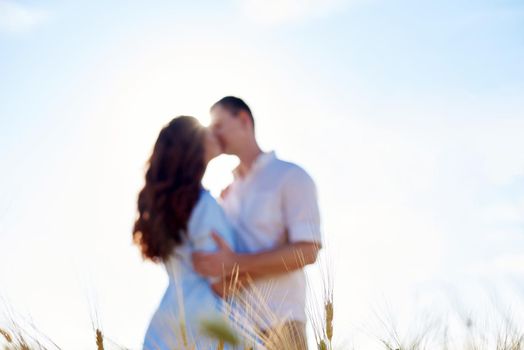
(216, 263)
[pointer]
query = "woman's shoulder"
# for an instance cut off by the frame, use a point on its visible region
(206, 199)
(208, 216)
(206, 205)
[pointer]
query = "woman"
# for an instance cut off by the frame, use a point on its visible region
(176, 217)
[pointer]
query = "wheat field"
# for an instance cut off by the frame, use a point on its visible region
(502, 334)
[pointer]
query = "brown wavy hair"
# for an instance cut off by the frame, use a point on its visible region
(172, 188)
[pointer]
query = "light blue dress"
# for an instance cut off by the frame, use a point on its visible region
(189, 296)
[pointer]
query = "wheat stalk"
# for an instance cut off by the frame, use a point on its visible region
(99, 339)
(6, 335)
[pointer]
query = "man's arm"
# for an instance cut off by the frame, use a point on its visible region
(285, 258)
(281, 259)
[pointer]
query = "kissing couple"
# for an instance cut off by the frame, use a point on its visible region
(264, 229)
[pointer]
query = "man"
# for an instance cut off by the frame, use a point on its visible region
(273, 207)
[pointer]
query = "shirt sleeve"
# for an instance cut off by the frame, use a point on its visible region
(301, 210)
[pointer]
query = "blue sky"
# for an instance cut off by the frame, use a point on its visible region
(408, 114)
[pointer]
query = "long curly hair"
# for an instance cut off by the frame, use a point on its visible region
(172, 188)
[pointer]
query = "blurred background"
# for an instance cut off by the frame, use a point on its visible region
(409, 115)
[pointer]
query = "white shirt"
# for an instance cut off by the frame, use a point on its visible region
(273, 204)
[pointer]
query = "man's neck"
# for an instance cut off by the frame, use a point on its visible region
(247, 158)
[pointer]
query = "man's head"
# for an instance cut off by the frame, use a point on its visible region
(233, 124)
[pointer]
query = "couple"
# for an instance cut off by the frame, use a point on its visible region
(266, 227)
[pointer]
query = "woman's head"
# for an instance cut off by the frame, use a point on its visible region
(172, 185)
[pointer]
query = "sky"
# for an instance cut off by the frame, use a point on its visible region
(409, 116)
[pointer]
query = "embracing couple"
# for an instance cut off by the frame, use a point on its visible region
(264, 229)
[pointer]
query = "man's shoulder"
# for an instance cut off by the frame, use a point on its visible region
(288, 167)
(288, 170)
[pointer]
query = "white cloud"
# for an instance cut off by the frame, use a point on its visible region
(281, 11)
(16, 17)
